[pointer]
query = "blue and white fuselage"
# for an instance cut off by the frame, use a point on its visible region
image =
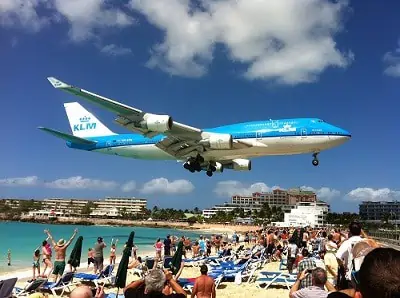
(158, 137)
(271, 137)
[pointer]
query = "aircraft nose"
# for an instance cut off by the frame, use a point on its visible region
(345, 132)
(342, 132)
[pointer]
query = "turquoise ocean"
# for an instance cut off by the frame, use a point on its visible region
(23, 238)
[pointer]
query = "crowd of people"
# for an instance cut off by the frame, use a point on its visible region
(329, 262)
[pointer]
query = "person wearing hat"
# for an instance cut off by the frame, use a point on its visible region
(60, 247)
(204, 285)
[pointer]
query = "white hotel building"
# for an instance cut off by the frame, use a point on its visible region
(305, 214)
(108, 207)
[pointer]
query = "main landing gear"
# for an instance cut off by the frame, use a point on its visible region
(315, 161)
(210, 169)
(194, 165)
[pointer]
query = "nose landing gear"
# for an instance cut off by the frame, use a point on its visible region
(315, 161)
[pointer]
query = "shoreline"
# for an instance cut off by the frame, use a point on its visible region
(25, 272)
(206, 227)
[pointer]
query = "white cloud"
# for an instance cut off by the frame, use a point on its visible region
(323, 193)
(164, 186)
(22, 181)
(371, 194)
(128, 186)
(78, 182)
(232, 187)
(392, 62)
(289, 41)
(85, 18)
(114, 50)
(22, 13)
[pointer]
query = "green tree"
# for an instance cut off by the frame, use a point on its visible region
(87, 209)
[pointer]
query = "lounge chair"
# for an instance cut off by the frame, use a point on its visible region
(167, 262)
(64, 283)
(283, 264)
(30, 287)
(273, 278)
(7, 286)
(103, 277)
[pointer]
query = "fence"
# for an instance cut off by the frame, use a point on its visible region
(389, 237)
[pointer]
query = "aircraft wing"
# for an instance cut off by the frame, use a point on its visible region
(181, 139)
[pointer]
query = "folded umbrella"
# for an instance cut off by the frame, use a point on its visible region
(75, 256)
(177, 259)
(120, 278)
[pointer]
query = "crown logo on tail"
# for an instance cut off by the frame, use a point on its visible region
(84, 119)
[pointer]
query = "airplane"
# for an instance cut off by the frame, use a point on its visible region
(159, 137)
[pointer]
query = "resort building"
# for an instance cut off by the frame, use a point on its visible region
(285, 199)
(305, 214)
(208, 213)
(65, 206)
(125, 205)
(108, 207)
(378, 211)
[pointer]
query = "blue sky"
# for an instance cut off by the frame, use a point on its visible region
(221, 63)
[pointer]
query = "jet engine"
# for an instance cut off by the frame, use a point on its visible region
(157, 123)
(241, 165)
(220, 141)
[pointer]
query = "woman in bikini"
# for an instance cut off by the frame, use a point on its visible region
(112, 254)
(158, 245)
(46, 252)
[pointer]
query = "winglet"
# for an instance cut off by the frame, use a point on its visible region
(57, 83)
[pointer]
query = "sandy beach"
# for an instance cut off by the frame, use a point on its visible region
(207, 227)
(225, 289)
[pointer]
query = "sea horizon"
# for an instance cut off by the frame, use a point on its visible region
(23, 238)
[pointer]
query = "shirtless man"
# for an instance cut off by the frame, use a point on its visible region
(60, 248)
(204, 286)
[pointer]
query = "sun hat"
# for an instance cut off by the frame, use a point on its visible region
(61, 242)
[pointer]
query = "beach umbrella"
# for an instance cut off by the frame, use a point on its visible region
(120, 278)
(75, 256)
(177, 259)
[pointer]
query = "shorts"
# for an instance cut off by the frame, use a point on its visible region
(90, 261)
(35, 264)
(59, 267)
(98, 262)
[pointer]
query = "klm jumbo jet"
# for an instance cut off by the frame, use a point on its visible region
(159, 137)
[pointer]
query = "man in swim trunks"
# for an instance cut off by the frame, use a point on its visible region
(60, 248)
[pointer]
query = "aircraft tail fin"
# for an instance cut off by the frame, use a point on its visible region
(67, 137)
(83, 123)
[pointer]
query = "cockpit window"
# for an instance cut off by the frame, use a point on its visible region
(319, 120)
